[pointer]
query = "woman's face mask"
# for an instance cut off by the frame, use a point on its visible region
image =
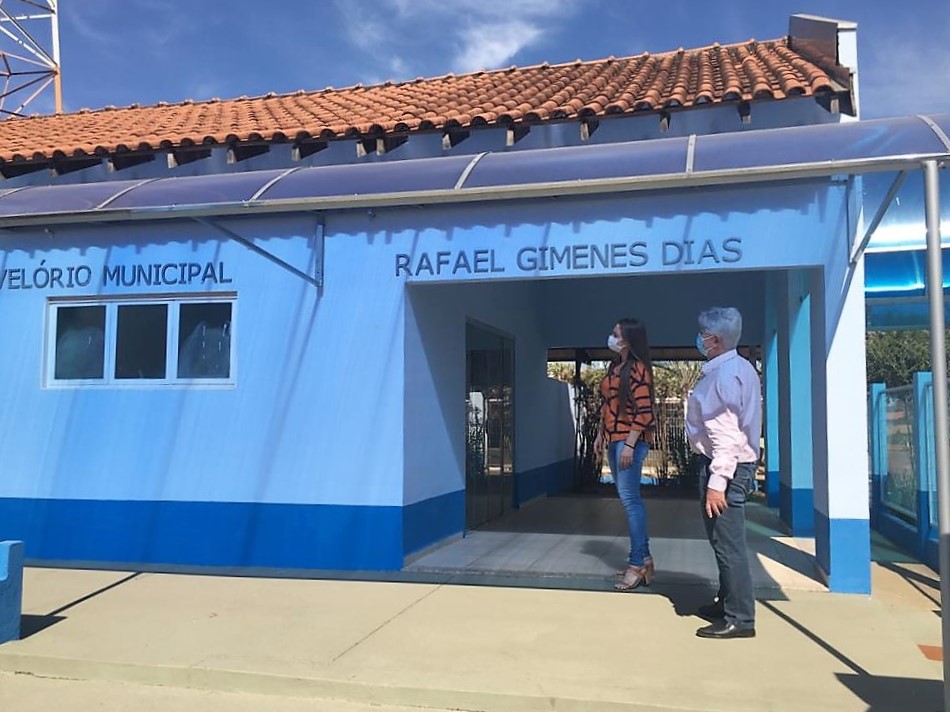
(613, 343)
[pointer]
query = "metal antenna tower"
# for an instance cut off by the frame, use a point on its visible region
(29, 54)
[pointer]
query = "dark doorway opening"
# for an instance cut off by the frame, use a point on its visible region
(490, 425)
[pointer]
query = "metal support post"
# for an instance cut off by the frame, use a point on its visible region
(938, 365)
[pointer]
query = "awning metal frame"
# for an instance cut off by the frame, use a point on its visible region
(878, 217)
(316, 279)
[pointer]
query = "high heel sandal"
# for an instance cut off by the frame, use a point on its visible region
(633, 577)
(649, 571)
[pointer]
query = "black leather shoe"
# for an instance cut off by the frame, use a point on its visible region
(723, 631)
(712, 611)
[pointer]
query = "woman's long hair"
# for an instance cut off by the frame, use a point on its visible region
(634, 333)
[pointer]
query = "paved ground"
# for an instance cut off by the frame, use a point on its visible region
(517, 617)
(28, 693)
(121, 640)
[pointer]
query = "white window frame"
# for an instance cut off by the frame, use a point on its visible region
(111, 305)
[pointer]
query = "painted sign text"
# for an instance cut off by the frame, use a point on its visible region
(161, 274)
(571, 258)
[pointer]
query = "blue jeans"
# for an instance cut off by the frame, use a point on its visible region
(727, 535)
(628, 487)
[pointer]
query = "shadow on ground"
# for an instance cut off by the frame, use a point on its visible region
(887, 694)
(31, 624)
(880, 692)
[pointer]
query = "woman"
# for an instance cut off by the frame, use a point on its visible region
(628, 423)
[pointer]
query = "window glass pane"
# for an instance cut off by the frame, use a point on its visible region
(80, 342)
(204, 340)
(141, 338)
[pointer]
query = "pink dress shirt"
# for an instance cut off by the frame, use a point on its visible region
(724, 416)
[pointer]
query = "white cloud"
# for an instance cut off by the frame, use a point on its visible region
(403, 34)
(485, 9)
(204, 89)
(100, 24)
(901, 77)
(398, 66)
(364, 29)
(87, 24)
(492, 44)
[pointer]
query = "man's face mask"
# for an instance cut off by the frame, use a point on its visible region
(701, 344)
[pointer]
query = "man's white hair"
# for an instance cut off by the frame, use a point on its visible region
(724, 322)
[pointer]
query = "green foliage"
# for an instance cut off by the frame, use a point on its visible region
(894, 356)
(587, 401)
(675, 379)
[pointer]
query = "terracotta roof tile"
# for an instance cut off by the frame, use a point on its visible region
(680, 79)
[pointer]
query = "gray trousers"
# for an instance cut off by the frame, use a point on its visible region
(727, 535)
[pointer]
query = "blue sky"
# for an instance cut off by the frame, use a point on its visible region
(123, 51)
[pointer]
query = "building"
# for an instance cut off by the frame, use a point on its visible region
(245, 330)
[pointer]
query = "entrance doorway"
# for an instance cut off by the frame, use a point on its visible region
(490, 425)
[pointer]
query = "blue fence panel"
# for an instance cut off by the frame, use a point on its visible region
(877, 440)
(903, 469)
(899, 481)
(931, 469)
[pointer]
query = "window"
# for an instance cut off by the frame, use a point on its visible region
(158, 341)
(204, 340)
(141, 336)
(80, 342)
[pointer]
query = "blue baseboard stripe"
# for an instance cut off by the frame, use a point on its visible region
(797, 509)
(772, 488)
(207, 533)
(549, 479)
(431, 520)
(843, 548)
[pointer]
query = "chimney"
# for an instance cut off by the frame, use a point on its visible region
(833, 46)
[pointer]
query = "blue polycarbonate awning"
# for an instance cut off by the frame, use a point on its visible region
(902, 227)
(61, 198)
(839, 143)
(764, 155)
(662, 157)
(194, 190)
(901, 273)
(410, 176)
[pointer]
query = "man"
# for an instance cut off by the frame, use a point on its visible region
(723, 424)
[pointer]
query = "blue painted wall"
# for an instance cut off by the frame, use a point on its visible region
(108, 465)
(796, 457)
(434, 463)
(341, 443)
(771, 397)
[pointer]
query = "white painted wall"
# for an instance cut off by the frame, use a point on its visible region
(436, 317)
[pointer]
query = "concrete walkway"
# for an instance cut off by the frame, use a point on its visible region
(584, 538)
(203, 642)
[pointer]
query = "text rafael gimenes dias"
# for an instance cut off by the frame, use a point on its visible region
(571, 258)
